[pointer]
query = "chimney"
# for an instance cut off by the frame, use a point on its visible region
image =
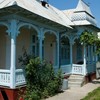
(44, 3)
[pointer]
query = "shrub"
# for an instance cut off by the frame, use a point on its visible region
(41, 79)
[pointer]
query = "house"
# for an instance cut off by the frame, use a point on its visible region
(47, 32)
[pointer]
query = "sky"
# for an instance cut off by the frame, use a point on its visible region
(70, 4)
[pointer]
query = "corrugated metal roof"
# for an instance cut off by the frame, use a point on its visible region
(34, 6)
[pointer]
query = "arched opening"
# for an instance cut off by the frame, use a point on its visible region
(27, 41)
(4, 48)
(65, 51)
(78, 52)
(50, 48)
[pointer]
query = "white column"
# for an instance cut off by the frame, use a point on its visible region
(13, 54)
(84, 67)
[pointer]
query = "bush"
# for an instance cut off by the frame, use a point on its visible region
(42, 81)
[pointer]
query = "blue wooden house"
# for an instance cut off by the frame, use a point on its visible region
(47, 32)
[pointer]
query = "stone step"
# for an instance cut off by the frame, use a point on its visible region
(76, 76)
(70, 82)
(75, 81)
(74, 84)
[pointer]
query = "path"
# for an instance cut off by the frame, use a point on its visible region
(77, 93)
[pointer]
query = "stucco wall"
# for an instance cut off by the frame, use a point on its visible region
(23, 43)
(49, 47)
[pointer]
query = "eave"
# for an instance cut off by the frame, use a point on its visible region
(15, 9)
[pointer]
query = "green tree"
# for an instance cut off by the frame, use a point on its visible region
(88, 38)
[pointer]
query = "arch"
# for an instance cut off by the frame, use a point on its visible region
(65, 35)
(76, 37)
(30, 25)
(51, 31)
(65, 50)
(5, 24)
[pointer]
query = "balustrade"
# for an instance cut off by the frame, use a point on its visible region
(5, 77)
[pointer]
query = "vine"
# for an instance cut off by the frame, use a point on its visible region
(88, 38)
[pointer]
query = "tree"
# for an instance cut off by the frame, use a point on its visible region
(88, 38)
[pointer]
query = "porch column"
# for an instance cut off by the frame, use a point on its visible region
(13, 54)
(88, 54)
(91, 54)
(84, 67)
(71, 53)
(40, 36)
(92, 63)
(96, 56)
(58, 51)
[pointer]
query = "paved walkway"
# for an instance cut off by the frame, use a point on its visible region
(77, 93)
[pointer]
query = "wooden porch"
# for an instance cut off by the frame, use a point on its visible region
(6, 77)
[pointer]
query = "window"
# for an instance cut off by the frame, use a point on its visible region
(65, 52)
(79, 51)
(34, 45)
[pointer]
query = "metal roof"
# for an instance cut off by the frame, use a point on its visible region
(81, 15)
(82, 6)
(48, 12)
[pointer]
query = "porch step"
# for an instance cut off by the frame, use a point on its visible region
(75, 81)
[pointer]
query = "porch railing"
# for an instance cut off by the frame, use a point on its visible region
(66, 69)
(20, 77)
(5, 77)
(78, 69)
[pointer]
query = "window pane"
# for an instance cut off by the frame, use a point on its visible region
(33, 50)
(33, 38)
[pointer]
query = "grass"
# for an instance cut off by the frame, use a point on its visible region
(94, 95)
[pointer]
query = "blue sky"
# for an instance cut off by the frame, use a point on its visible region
(69, 4)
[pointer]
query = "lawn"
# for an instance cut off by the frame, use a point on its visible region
(94, 95)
